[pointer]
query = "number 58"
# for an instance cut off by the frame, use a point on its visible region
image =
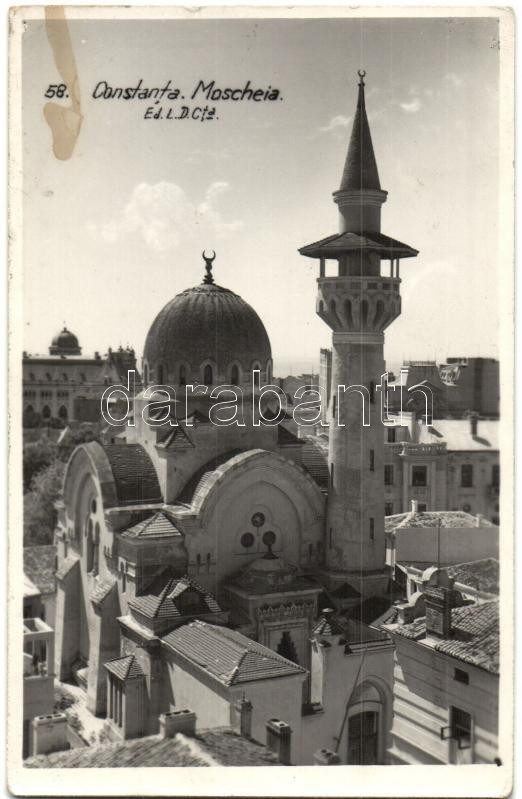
(56, 90)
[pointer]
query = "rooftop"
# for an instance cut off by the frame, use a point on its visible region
(447, 518)
(170, 598)
(219, 747)
(39, 567)
(480, 574)
(134, 474)
(158, 525)
(227, 655)
(457, 434)
(475, 637)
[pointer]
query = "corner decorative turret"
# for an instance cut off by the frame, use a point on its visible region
(358, 303)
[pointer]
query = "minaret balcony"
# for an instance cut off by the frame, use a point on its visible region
(358, 304)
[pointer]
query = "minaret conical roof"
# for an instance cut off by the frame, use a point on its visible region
(360, 167)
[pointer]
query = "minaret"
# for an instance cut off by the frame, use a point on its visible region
(358, 303)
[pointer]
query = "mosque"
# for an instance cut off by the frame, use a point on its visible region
(195, 560)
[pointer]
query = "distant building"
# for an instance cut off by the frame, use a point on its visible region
(459, 386)
(452, 464)
(446, 678)
(66, 385)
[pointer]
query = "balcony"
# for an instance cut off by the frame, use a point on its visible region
(409, 449)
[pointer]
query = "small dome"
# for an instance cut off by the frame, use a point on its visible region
(206, 332)
(65, 343)
(268, 574)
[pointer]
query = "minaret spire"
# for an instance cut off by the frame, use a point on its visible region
(360, 168)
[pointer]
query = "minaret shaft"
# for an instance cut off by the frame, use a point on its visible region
(358, 303)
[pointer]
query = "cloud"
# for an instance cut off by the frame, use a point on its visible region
(411, 108)
(454, 79)
(163, 215)
(335, 123)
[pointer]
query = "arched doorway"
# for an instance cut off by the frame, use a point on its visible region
(363, 738)
(62, 413)
(46, 412)
(367, 723)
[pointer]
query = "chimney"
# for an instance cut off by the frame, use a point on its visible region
(325, 757)
(473, 420)
(50, 734)
(243, 709)
(440, 601)
(183, 721)
(279, 739)
(414, 506)
(478, 520)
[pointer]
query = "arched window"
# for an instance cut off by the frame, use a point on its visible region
(286, 647)
(207, 375)
(123, 579)
(62, 413)
(159, 373)
(234, 375)
(145, 373)
(46, 412)
(182, 375)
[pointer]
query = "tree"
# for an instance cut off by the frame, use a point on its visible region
(37, 455)
(39, 511)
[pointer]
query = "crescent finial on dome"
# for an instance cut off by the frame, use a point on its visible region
(209, 260)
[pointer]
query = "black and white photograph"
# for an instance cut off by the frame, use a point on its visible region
(261, 326)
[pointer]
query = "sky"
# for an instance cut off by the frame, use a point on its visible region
(114, 232)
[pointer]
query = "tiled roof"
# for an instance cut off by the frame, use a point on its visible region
(134, 474)
(124, 668)
(447, 518)
(475, 635)
(457, 434)
(200, 479)
(155, 526)
(339, 243)
(286, 437)
(227, 655)
(327, 625)
(167, 596)
(221, 746)
(39, 566)
(101, 591)
(315, 461)
(480, 574)
(66, 566)
(176, 439)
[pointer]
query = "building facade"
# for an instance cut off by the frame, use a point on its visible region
(66, 385)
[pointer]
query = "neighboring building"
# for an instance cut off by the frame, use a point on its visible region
(446, 677)
(458, 387)
(444, 537)
(170, 750)
(40, 568)
(38, 682)
(66, 385)
(452, 464)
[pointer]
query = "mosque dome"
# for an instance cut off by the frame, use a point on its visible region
(209, 335)
(65, 343)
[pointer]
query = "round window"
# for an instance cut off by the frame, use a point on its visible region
(247, 539)
(269, 538)
(258, 519)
